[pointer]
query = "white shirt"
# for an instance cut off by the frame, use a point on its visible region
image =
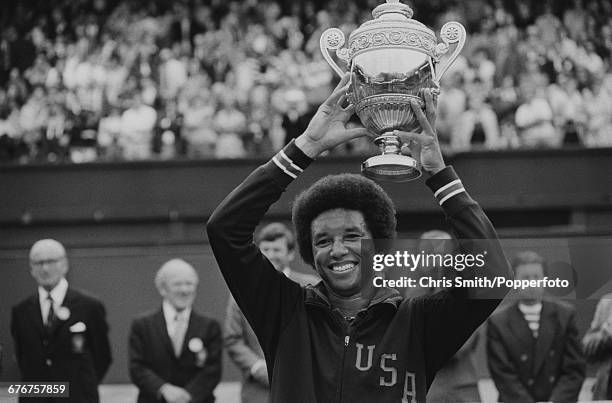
(170, 316)
(532, 316)
(58, 293)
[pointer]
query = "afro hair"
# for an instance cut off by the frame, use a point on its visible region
(345, 191)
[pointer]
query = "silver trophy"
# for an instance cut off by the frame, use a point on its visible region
(392, 58)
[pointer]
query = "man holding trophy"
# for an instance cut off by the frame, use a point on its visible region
(344, 339)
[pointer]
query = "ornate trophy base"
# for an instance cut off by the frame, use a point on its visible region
(391, 166)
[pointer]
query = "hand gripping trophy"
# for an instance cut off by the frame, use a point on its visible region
(392, 58)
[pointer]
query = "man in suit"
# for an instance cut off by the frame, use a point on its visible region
(276, 241)
(534, 352)
(60, 334)
(174, 352)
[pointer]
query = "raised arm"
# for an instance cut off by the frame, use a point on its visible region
(454, 312)
(266, 297)
(467, 220)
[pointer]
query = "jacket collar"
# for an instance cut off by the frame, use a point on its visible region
(162, 330)
(317, 296)
(58, 293)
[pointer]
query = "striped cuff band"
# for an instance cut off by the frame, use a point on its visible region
(449, 190)
(286, 164)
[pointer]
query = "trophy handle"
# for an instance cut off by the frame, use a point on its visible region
(451, 32)
(333, 39)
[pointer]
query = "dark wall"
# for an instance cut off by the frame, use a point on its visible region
(181, 190)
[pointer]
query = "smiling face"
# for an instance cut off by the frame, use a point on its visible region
(178, 284)
(336, 248)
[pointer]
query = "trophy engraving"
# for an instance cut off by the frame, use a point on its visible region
(392, 58)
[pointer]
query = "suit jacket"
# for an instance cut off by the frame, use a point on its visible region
(244, 350)
(75, 350)
(526, 369)
(152, 361)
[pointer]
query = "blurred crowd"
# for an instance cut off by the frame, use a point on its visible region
(86, 80)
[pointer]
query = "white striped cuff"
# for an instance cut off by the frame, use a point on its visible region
(286, 164)
(449, 190)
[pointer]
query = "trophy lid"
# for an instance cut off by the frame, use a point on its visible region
(392, 27)
(392, 7)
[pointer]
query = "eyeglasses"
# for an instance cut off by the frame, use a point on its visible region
(40, 263)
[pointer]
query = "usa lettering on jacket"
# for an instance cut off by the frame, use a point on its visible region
(389, 376)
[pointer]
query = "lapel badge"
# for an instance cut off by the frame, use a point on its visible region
(195, 345)
(62, 313)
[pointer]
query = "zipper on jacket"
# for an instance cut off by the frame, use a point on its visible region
(347, 338)
(346, 328)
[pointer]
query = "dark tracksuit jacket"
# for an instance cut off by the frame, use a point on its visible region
(391, 351)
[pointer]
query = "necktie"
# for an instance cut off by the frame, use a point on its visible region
(50, 313)
(180, 327)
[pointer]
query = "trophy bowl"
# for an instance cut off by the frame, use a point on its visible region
(392, 59)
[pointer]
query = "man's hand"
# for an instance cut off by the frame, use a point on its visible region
(591, 343)
(174, 394)
(261, 375)
(259, 372)
(424, 146)
(327, 129)
(594, 343)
